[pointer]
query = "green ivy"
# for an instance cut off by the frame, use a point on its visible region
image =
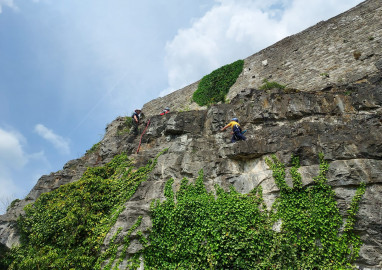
(214, 87)
(311, 222)
(192, 228)
(270, 85)
(65, 228)
(196, 229)
(3, 263)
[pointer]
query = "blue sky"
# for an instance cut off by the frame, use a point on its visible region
(69, 67)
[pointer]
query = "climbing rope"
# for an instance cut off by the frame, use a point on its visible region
(140, 141)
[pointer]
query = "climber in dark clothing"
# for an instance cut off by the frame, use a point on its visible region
(236, 130)
(135, 120)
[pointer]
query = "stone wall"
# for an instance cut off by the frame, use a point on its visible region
(340, 50)
(179, 100)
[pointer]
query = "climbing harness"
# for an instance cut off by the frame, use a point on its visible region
(140, 141)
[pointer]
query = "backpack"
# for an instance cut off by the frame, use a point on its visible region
(236, 128)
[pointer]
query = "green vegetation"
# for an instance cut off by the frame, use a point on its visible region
(126, 127)
(192, 228)
(310, 235)
(270, 85)
(94, 148)
(348, 93)
(3, 250)
(326, 75)
(65, 228)
(12, 204)
(214, 86)
(196, 229)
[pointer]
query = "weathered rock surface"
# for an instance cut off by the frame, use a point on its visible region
(342, 120)
(344, 123)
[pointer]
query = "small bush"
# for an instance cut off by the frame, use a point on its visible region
(94, 148)
(126, 126)
(214, 86)
(13, 203)
(270, 85)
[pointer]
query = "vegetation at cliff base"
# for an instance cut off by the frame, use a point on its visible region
(65, 228)
(196, 229)
(192, 228)
(214, 87)
(3, 251)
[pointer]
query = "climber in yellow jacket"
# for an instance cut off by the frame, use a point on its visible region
(236, 129)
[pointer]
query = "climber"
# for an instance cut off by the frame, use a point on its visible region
(236, 130)
(165, 111)
(135, 120)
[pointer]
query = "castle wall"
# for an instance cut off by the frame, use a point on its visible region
(338, 51)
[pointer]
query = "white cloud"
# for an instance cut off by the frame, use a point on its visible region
(302, 14)
(11, 152)
(235, 29)
(8, 190)
(7, 3)
(229, 31)
(16, 168)
(12, 158)
(58, 142)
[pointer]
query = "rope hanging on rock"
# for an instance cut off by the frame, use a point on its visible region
(140, 141)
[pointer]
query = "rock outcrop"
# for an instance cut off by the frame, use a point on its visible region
(317, 114)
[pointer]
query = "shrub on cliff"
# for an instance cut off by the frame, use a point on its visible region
(214, 87)
(270, 85)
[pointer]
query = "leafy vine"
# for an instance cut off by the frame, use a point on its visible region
(65, 228)
(196, 229)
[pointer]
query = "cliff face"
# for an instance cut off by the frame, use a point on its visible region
(320, 114)
(344, 123)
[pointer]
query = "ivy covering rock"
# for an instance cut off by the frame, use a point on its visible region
(192, 228)
(196, 229)
(65, 228)
(214, 87)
